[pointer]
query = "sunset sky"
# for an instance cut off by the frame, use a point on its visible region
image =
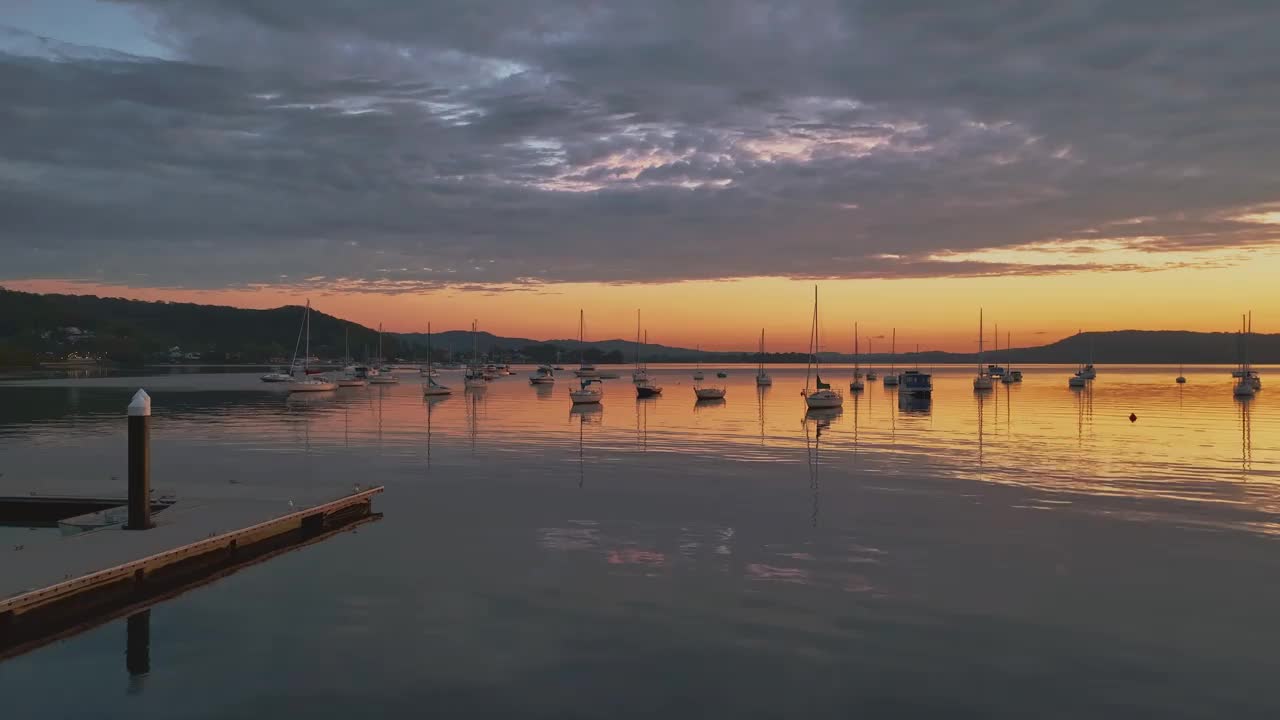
(1093, 165)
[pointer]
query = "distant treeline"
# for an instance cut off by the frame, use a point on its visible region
(36, 328)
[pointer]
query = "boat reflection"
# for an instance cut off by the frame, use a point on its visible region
(700, 405)
(137, 650)
(586, 414)
(1246, 434)
(816, 420)
(913, 405)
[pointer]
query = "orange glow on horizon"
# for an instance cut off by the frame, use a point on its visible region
(937, 313)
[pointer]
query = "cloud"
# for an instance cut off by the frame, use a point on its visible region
(411, 145)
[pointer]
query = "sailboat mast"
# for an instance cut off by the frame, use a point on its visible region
(582, 333)
(855, 351)
(306, 325)
(979, 341)
(428, 351)
(637, 339)
(893, 351)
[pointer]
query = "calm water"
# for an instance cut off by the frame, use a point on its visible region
(1027, 553)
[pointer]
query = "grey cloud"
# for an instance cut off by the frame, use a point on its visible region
(570, 141)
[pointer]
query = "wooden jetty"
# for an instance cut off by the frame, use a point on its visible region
(59, 585)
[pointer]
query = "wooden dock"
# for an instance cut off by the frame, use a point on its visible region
(56, 586)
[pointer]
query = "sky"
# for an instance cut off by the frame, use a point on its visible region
(1092, 164)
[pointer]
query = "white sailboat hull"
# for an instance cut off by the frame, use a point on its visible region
(585, 397)
(823, 399)
(312, 386)
(709, 393)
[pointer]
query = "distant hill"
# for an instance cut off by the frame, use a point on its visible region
(35, 327)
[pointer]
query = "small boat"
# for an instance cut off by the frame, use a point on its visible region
(647, 388)
(722, 374)
(1248, 383)
(916, 384)
(1076, 381)
(309, 383)
(431, 388)
(276, 375)
(697, 371)
(891, 379)
(383, 376)
(1008, 375)
(709, 393)
(1089, 372)
(871, 374)
(762, 377)
(855, 385)
(608, 375)
(474, 378)
(822, 396)
(490, 372)
(585, 369)
(1181, 379)
(544, 375)
(983, 380)
(349, 377)
(588, 393)
(640, 373)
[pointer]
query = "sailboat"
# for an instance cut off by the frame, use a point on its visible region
(855, 385)
(762, 377)
(474, 379)
(697, 372)
(1089, 373)
(983, 379)
(590, 391)
(871, 373)
(306, 383)
(1078, 380)
(585, 369)
(1181, 379)
(995, 369)
(384, 375)
(1010, 375)
(891, 380)
(349, 376)
(645, 387)
(638, 374)
(822, 396)
(431, 388)
(1246, 386)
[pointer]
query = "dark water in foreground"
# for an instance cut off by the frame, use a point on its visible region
(1030, 553)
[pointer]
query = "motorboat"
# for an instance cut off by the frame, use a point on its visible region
(1077, 381)
(276, 375)
(544, 375)
(916, 384)
(722, 374)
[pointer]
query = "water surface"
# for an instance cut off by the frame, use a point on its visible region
(1027, 552)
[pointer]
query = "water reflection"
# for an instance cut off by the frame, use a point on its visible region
(1246, 435)
(585, 414)
(815, 422)
(702, 405)
(137, 650)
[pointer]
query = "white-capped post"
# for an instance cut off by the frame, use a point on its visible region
(139, 462)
